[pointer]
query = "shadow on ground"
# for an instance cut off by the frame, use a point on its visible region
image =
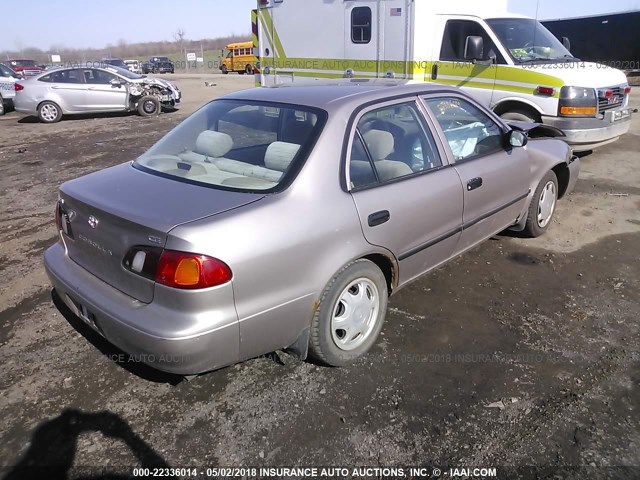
(54, 444)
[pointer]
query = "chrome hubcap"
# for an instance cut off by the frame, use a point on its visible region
(547, 204)
(49, 112)
(355, 314)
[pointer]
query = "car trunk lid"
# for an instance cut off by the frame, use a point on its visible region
(113, 210)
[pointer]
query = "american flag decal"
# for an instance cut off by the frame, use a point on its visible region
(396, 12)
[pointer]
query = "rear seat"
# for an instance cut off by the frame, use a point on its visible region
(208, 163)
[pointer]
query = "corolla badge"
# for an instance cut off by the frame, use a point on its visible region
(93, 221)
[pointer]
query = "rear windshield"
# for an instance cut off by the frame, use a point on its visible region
(237, 145)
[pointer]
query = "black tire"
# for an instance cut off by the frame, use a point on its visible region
(248, 70)
(1, 106)
(49, 112)
(224, 70)
(326, 342)
(521, 115)
(547, 186)
(148, 106)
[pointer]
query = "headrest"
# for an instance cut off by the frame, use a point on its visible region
(213, 144)
(279, 155)
(379, 143)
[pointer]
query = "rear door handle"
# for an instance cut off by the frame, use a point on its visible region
(474, 183)
(378, 218)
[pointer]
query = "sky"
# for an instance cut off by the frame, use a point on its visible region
(96, 23)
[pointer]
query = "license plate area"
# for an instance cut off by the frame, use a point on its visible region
(81, 311)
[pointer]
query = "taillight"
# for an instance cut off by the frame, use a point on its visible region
(191, 271)
(627, 90)
(19, 87)
(63, 222)
(58, 216)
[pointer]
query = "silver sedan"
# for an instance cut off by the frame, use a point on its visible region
(92, 89)
(283, 218)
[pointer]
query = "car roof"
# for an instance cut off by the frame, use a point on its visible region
(335, 96)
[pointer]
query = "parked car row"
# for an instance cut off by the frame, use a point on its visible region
(278, 218)
(105, 88)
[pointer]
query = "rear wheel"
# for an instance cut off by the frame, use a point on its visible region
(148, 106)
(49, 112)
(1, 106)
(350, 315)
(543, 206)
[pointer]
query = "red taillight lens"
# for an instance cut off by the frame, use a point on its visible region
(627, 90)
(191, 271)
(19, 87)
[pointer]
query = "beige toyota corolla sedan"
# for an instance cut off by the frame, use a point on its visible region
(283, 218)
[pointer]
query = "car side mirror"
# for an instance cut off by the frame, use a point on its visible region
(474, 48)
(516, 138)
(567, 43)
(115, 83)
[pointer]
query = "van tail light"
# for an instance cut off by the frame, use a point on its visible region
(627, 90)
(191, 271)
(19, 87)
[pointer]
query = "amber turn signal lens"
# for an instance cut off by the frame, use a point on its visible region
(578, 110)
(188, 272)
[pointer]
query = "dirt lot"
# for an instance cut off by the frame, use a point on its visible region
(522, 352)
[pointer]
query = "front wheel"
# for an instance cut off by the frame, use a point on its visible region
(350, 315)
(543, 206)
(148, 106)
(520, 115)
(1, 106)
(49, 112)
(248, 70)
(224, 70)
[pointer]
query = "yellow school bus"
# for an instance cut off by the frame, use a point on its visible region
(239, 58)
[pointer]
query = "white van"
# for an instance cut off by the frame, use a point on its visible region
(7, 87)
(510, 63)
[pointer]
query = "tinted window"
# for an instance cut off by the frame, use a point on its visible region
(391, 142)
(234, 144)
(469, 131)
(95, 76)
(361, 25)
(63, 76)
(455, 38)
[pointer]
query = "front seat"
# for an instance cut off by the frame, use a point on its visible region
(380, 145)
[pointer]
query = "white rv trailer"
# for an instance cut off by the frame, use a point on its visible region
(509, 62)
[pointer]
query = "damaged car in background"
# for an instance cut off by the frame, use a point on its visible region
(76, 90)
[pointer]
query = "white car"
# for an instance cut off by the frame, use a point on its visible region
(133, 66)
(7, 87)
(73, 90)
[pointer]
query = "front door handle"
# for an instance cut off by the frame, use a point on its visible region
(378, 218)
(474, 183)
